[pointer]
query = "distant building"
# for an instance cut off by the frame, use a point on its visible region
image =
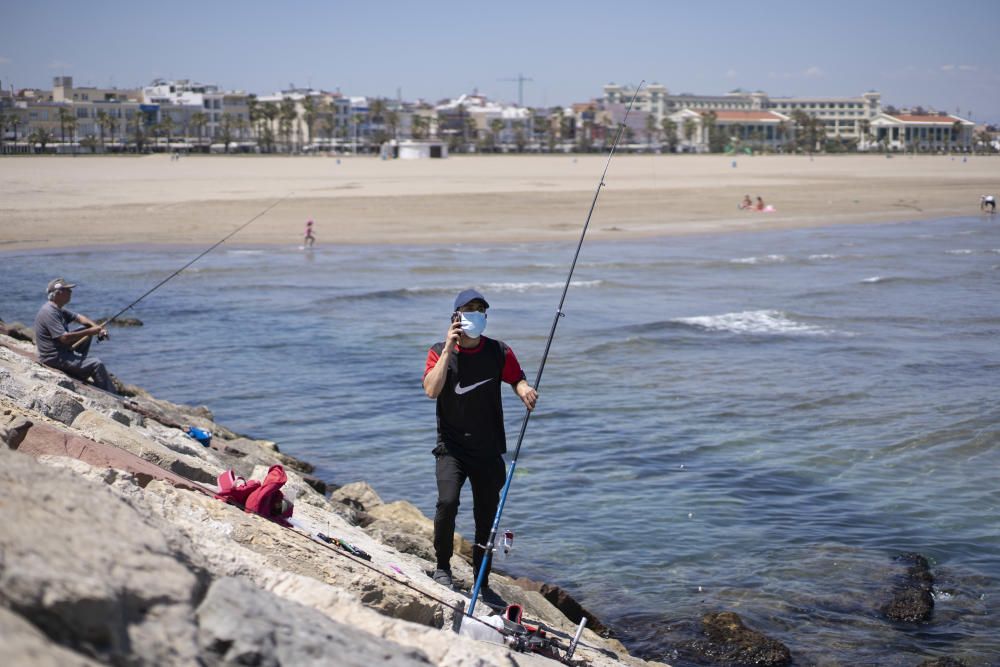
(923, 132)
(845, 118)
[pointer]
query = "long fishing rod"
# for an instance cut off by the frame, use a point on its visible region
(541, 366)
(178, 271)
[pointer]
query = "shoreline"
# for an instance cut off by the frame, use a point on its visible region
(182, 554)
(57, 202)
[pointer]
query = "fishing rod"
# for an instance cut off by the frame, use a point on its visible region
(490, 544)
(178, 271)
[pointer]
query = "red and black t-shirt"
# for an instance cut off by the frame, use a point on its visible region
(469, 409)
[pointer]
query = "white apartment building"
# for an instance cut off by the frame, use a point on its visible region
(842, 117)
(198, 110)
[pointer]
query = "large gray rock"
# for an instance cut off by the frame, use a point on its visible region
(104, 429)
(82, 566)
(13, 428)
(239, 624)
(24, 644)
(57, 404)
(357, 495)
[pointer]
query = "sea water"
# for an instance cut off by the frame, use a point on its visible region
(756, 422)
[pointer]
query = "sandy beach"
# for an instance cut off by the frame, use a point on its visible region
(86, 200)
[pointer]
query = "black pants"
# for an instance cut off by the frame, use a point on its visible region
(487, 479)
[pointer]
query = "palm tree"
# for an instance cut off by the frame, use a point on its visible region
(138, 129)
(90, 141)
(65, 115)
(392, 120)
(227, 130)
(40, 136)
(689, 129)
(519, 139)
(496, 127)
(102, 119)
(418, 126)
(865, 128)
(651, 129)
(199, 119)
(310, 111)
(356, 120)
(669, 129)
(166, 127)
(287, 115)
(269, 113)
(4, 124)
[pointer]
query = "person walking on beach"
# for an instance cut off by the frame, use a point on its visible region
(988, 201)
(309, 239)
(55, 341)
(464, 374)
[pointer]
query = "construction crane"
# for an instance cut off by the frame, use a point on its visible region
(520, 87)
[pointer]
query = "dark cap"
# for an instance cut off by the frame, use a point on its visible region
(58, 284)
(467, 295)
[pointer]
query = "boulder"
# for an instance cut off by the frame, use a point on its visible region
(564, 602)
(911, 599)
(104, 429)
(24, 644)
(729, 643)
(57, 404)
(18, 331)
(84, 568)
(13, 429)
(357, 495)
(282, 632)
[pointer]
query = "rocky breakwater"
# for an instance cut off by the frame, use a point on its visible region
(113, 550)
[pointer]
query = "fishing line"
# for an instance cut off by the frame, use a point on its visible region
(491, 543)
(178, 271)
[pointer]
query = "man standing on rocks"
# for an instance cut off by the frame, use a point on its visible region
(464, 374)
(55, 341)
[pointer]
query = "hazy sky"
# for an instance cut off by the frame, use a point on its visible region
(933, 53)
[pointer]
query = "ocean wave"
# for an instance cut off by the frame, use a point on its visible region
(486, 288)
(824, 256)
(765, 259)
(767, 322)
(959, 251)
(524, 287)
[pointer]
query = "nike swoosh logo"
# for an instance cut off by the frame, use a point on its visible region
(459, 389)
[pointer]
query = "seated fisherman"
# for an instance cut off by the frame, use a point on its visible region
(55, 341)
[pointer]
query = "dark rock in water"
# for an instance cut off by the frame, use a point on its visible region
(942, 662)
(911, 600)
(729, 643)
(565, 603)
(18, 331)
(315, 482)
(124, 322)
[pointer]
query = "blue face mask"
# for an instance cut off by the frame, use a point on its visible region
(473, 323)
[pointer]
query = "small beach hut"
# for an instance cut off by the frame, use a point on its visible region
(416, 150)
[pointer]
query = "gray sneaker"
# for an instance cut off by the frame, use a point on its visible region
(492, 599)
(443, 577)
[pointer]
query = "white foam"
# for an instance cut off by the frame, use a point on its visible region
(823, 256)
(766, 259)
(524, 287)
(755, 322)
(961, 251)
(873, 279)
